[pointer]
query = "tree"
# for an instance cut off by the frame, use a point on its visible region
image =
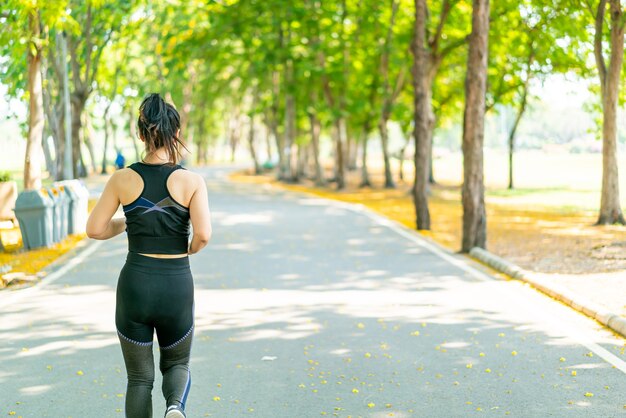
(32, 163)
(430, 46)
(421, 127)
(529, 41)
(610, 210)
(23, 41)
(98, 23)
(473, 190)
(389, 96)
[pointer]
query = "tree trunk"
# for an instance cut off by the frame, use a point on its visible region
(268, 143)
(234, 139)
(339, 160)
(350, 147)
(473, 192)
(87, 131)
(421, 108)
(384, 139)
(431, 146)
(201, 141)
(257, 167)
(610, 210)
(133, 133)
(290, 119)
(68, 152)
(353, 151)
(51, 130)
(385, 112)
(335, 104)
(107, 123)
(365, 176)
(280, 140)
(315, 141)
(78, 105)
(301, 163)
(50, 163)
(32, 160)
(518, 118)
(59, 147)
(82, 168)
(402, 155)
(347, 151)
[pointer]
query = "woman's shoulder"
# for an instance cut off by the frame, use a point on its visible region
(122, 176)
(123, 173)
(188, 177)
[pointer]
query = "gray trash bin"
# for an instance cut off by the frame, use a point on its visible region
(59, 213)
(65, 211)
(33, 210)
(72, 207)
(79, 206)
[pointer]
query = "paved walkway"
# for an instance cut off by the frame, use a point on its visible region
(308, 308)
(604, 289)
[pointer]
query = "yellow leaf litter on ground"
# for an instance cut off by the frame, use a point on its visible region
(33, 261)
(567, 234)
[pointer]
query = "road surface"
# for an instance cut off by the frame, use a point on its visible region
(309, 308)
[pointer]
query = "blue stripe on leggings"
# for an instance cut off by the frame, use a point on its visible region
(186, 392)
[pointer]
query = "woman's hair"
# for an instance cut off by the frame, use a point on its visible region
(158, 125)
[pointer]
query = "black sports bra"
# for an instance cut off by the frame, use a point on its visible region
(155, 222)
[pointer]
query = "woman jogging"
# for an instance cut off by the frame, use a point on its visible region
(155, 286)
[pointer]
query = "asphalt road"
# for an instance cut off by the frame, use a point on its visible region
(308, 308)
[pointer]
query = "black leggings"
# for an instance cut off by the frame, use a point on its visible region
(155, 294)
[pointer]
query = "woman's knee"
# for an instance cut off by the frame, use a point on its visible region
(139, 362)
(176, 354)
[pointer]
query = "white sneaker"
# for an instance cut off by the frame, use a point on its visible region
(174, 411)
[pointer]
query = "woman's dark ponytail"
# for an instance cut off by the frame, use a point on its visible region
(159, 123)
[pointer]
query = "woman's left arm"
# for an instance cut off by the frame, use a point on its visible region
(100, 224)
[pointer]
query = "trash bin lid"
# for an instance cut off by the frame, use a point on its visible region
(28, 199)
(68, 188)
(78, 187)
(63, 192)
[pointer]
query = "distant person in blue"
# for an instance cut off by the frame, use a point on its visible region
(120, 161)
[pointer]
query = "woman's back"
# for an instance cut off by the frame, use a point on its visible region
(180, 184)
(155, 287)
(156, 222)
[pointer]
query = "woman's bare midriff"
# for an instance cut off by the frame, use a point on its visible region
(165, 255)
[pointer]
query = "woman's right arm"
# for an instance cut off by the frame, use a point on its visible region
(200, 217)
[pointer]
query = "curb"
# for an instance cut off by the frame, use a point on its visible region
(611, 320)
